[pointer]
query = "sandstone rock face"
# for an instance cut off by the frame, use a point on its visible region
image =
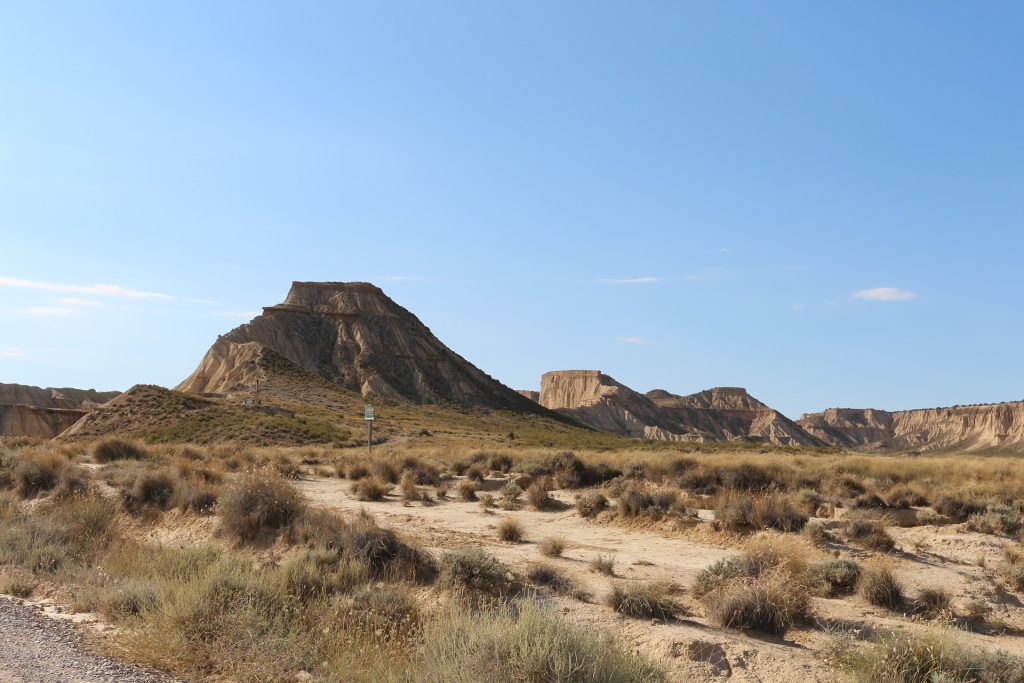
(45, 423)
(597, 400)
(45, 412)
(719, 414)
(969, 428)
(353, 334)
(530, 394)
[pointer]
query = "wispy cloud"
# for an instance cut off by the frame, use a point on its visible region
(49, 311)
(725, 250)
(238, 314)
(105, 290)
(72, 301)
(632, 340)
(192, 299)
(883, 294)
(12, 352)
(632, 280)
(401, 278)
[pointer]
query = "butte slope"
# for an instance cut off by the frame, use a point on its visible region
(317, 358)
(715, 415)
(352, 334)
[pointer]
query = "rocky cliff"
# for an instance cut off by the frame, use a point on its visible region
(45, 412)
(998, 426)
(351, 333)
(719, 414)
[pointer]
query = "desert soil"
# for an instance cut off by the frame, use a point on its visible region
(37, 648)
(693, 649)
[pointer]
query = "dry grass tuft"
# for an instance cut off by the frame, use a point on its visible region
(255, 505)
(553, 546)
(880, 587)
(510, 530)
(643, 600)
(603, 564)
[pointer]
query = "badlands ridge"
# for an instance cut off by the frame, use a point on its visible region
(333, 344)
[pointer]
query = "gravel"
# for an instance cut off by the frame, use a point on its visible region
(37, 649)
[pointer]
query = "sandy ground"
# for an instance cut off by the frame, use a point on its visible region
(693, 649)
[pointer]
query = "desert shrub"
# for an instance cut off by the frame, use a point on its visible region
(643, 600)
(632, 502)
(510, 494)
(957, 507)
(546, 575)
(467, 489)
(441, 491)
(1014, 575)
(476, 472)
(591, 503)
(386, 611)
(195, 496)
(356, 470)
(772, 602)
(808, 499)
(407, 485)
(370, 489)
(603, 564)
(750, 478)
(816, 533)
(35, 473)
(257, 504)
(702, 479)
(500, 462)
(868, 501)
(473, 569)
(880, 587)
(996, 519)
(933, 657)
(905, 497)
(384, 471)
(17, 582)
(72, 483)
(933, 602)
(836, 576)
(869, 533)
(127, 597)
(553, 546)
(318, 573)
(510, 530)
(113, 449)
(153, 488)
(746, 512)
(386, 555)
(458, 467)
(525, 643)
(538, 498)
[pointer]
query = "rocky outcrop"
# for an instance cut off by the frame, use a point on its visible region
(45, 412)
(996, 426)
(351, 333)
(595, 399)
(730, 413)
(33, 421)
(719, 414)
(530, 394)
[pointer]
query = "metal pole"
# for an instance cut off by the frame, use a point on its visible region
(369, 438)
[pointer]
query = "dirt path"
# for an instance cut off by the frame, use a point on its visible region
(35, 648)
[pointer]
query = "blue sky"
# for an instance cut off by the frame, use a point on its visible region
(682, 195)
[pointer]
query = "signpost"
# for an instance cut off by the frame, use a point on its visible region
(369, 416)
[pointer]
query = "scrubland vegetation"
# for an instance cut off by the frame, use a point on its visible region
(276, 586)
